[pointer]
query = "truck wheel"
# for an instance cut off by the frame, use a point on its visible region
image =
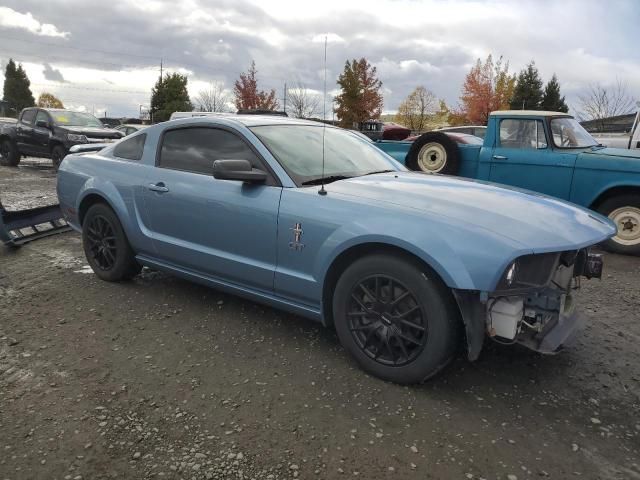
(57, 155)
(106, 246)
(433, 152)
(400, 323)
(9, 156)
(624, 211)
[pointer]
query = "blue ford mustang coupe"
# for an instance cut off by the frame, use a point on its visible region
(406, 266)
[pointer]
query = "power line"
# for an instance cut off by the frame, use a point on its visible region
(182, 63)
(54, 85)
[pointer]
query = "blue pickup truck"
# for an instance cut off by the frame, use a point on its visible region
(547, 152)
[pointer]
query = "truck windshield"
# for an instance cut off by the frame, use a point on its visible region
(299, 149)
(568, 133)
(75, 119)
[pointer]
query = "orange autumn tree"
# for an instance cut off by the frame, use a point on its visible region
(246, 93)
(487, 87)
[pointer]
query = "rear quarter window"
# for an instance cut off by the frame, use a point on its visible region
(131, 148)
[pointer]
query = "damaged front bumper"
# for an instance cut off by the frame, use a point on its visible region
(543, 318)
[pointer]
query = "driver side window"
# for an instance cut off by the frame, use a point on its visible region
(522, 134)
(42, 116)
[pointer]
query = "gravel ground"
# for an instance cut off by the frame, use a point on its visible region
(161, 378)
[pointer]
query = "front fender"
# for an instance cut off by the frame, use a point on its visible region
(446, 248)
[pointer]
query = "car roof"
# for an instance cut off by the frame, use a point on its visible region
(250, 120)
(528, 113)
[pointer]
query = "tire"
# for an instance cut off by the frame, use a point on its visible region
(624, 211)
(9, 155)
(106, 246)
(422, 301)
(57, 155)
(434, 152)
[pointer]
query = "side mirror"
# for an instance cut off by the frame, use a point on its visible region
(42, 124)
(238, 170)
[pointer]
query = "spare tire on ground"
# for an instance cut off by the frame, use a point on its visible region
(434, 152)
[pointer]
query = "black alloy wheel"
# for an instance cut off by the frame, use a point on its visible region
(396, 317)
(386, 321)
(102, 242)
(106, 245)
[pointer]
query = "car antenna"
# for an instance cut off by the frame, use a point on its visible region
(322, 191)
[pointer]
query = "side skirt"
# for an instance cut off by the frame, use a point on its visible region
(272, 300)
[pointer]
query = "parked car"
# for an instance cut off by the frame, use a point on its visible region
(129, 128)
(49, 133)
(317, 221)
(547, 152)
(629, 140)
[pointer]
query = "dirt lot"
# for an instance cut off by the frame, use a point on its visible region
(160, 378)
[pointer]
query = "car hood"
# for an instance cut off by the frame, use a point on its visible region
(537, 222)
(95, 132)
(614, 152)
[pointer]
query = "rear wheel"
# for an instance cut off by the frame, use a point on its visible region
(624, 211)
(9, 156)
(57, 155)
(106, 246)
(433, 152)
(398, 322)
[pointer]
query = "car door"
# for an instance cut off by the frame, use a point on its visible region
(41, 135)
(221, 228)
(522, 157)
(24, 130)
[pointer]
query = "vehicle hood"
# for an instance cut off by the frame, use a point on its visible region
(610, 159)
(614, 152)
(95, 132)
(537, 222)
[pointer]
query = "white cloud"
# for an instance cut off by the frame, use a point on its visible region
(13, 19)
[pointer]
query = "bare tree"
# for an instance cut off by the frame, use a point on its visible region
(415, 111)
(214, 98)
(301, 103)
(602, 102)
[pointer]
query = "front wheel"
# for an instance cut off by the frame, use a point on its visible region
(106, 246)
(57, 155)
(399, 322)
(9, 155)
(624, 211)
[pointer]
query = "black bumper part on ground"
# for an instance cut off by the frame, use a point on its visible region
(22, 226)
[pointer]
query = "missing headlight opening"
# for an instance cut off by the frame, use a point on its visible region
(533, 305)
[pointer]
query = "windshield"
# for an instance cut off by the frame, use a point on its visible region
(75, 119)
(568, 133)
(298, 148)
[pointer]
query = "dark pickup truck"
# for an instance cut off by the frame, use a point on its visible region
(49, 133)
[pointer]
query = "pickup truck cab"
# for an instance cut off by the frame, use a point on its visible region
(49, 133)
(630, 139)
(546, 152)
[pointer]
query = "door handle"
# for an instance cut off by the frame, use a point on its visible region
(500, 157)
(158, 187)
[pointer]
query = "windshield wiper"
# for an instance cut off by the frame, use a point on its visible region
(327, 179)
(378, 171)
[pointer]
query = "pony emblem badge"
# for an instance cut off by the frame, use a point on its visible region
(296, 244)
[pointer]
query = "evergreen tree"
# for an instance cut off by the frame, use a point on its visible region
(17, 92)
(360, 98)
(170, 95)
(528, 92)
(551, 100)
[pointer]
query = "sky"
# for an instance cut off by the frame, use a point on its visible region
(105, 56)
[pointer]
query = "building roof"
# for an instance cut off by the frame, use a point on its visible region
(529, 113)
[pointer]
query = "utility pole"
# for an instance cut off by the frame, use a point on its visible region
(285, 97)
(161, 69)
